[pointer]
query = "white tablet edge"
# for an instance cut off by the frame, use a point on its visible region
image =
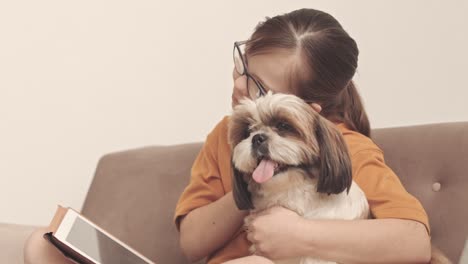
(65, 228)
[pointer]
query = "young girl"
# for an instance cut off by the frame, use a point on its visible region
(306, 53)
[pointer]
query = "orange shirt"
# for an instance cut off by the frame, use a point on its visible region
(211, 180)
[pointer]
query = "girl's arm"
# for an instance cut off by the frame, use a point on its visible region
(280, 233)
(207, 228)
(367, 241)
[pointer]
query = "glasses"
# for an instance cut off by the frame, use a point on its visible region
(254, 87)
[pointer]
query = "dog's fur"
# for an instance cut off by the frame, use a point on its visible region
(313, 176)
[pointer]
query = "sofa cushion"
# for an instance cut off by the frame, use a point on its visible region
(133, 196)
(432, 163)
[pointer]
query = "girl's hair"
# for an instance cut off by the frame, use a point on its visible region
(327, 61)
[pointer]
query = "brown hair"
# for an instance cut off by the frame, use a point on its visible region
(327, 62)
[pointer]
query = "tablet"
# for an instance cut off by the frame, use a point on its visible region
(94, 243)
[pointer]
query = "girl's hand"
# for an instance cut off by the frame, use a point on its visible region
(275, 233)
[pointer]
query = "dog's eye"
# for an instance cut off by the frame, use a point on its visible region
(283, 126)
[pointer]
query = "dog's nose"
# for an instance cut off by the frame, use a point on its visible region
(258, 139)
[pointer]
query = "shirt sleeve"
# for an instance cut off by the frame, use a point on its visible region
(205, 184)
(386, 195)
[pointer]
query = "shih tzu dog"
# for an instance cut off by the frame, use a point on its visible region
(284, 153)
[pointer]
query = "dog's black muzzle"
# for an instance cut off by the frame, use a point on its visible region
(260, 145)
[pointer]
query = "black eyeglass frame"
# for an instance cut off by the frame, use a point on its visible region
(237, 49)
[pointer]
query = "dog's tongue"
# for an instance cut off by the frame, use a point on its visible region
(264, 171)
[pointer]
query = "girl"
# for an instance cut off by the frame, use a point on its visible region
(306, 53)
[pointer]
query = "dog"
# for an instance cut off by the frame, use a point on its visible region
(285, 154)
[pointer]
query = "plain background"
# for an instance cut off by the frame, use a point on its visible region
(80, 79)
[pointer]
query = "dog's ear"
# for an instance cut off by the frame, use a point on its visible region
(240, 192)
(335, 163)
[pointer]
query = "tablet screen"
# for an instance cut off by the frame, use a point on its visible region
(99, 246)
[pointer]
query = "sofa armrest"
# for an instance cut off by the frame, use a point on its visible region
(12, 239)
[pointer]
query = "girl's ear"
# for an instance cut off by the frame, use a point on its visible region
(335, 163)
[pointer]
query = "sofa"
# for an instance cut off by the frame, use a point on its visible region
(134, 192)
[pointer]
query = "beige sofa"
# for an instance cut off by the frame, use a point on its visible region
(134, 192)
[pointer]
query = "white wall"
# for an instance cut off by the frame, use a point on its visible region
(79, 79)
